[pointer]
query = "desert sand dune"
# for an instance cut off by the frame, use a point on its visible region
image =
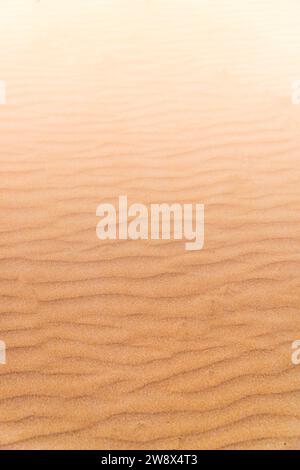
(141, 344)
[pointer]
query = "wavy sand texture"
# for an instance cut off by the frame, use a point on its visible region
(140, 344)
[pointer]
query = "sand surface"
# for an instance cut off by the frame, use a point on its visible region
(141, 344)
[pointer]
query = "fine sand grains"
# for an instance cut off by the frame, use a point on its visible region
(141, 344)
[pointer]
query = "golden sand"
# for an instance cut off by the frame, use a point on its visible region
(141, 344)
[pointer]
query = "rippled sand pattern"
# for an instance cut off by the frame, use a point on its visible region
(141, 344)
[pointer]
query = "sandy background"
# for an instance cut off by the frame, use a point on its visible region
(135, 344)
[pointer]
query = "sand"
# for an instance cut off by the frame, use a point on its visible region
(124, 344)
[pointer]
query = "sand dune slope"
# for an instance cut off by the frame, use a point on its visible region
(141, 344)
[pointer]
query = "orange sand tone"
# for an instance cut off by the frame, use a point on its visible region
(140, 344)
